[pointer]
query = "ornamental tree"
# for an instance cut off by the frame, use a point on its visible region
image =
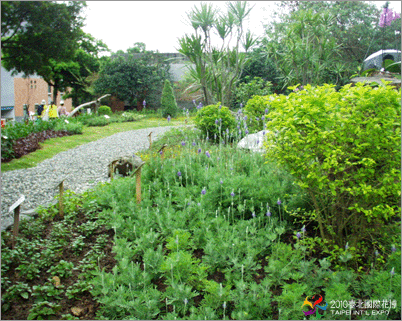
(168, 101)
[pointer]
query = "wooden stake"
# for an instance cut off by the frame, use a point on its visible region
(162, 151)
(150, 140)
(137, 173)
(16, 208)
(61, 205)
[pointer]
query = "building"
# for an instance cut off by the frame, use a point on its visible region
(18, 90)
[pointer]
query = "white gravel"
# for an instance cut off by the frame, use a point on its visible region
(84, 167)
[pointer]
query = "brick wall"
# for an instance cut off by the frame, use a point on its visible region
(32, 91)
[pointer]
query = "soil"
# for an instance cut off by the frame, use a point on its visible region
(29, 144)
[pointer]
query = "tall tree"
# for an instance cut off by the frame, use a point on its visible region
(217, 68)
(81, 72)
(35, 32)
(132, 76)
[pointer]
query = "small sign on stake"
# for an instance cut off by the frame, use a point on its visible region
(16, 208)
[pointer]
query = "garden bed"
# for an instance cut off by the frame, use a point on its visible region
(25, 145)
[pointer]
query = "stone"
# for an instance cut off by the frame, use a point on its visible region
(125, 165)
(77, 311)
(253, 142)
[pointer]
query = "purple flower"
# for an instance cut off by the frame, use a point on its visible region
(207, 153)
(347, 245)
(303, 229)
(199, 204)
(199, 150)
(266, 110)
(392, 271)
(279, 202)
(179, 173)
(246, 131)
(144, 103)
(256, 118)
(216, 122)
(194, 143)
(393, 248)
(387, 16)
(161, 152)
(253, 215)
(232, 194)
(245, 117)
(183, 143)
(199, 105)
(221, 181)
(168, 118)
(204, 191)
(194, 102)
(220, 106)
(298, 235)
(262, 117)
(269, 214)
(241, 105)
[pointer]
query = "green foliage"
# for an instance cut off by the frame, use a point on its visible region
(104, 110)
(96, 121)
(54, 29)
(306, 41)
(256, 111)
(214, 120)
(168, 101)
(131, 78)
(343, 149)
(216, 71)
(251, 87)
(73, 128)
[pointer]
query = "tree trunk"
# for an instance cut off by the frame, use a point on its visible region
(97, 101)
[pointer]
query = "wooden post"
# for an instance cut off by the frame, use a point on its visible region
(61, 205)
(16, 208)
(162, 151)
(138, 183)
(112, 172)
(150, 140)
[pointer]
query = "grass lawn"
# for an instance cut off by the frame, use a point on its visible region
(53, 146)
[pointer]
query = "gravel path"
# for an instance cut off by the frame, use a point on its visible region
(85, 166)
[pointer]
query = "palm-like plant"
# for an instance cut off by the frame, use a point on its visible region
(216, 68)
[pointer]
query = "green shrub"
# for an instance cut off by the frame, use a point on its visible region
(71, 127)
(249, 88)
(214, 121)
(95, 121)
(104, 110)
(343, 148)
(168, 101)
(256, 111)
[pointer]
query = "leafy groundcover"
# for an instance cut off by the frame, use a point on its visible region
(214, 237)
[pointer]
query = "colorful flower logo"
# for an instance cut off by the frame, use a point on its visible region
(314, 306)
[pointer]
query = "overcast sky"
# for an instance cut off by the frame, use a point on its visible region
(158, 24)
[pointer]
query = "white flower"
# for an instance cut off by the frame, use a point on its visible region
(106, 116)
(66, 121)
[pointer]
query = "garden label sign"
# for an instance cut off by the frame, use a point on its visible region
(16, 208)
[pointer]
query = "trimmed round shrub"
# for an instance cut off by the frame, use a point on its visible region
(344, 148)
(104, 110)
(214, 121)
(256, 111)
(168, 101)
